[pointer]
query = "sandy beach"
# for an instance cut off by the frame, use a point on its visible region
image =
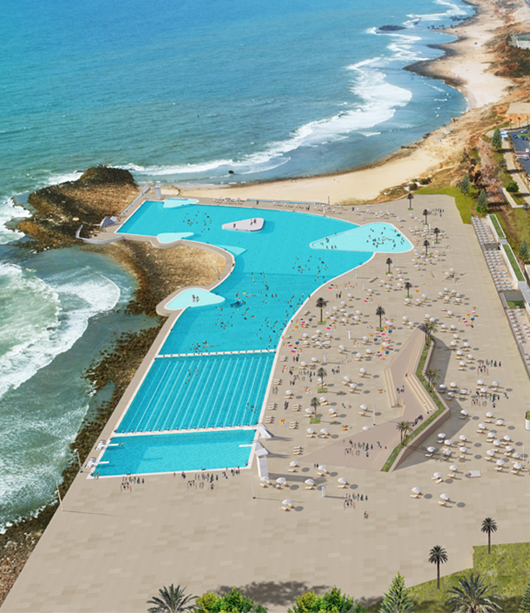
(466, 65)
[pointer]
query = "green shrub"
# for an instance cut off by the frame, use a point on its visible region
(512, 187)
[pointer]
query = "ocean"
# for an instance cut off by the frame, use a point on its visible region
(212, 93)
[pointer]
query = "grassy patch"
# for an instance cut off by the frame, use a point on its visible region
(515, 304)
(498, 228)
(314, 420)
(464, 204)
(321, 390)
(513, 262)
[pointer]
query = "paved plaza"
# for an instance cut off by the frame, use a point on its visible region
(110, 550)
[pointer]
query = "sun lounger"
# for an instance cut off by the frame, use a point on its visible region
(285, 509)
(451, 475)
(441, 502)
(414, 496)
(439, 480)
(291, 470)
(261, 484)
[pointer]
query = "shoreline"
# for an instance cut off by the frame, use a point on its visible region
(466, 65)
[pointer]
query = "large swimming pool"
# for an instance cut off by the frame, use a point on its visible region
(275, 271)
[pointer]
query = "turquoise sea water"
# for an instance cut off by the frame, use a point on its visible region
(174, 91)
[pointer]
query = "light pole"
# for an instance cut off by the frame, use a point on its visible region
(59, 495)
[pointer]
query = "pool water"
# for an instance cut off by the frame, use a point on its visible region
(202, 391)
(190, 451)
(276, 269)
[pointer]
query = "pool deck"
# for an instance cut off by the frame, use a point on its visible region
(110, 551)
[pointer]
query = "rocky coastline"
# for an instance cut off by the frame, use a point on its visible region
(57, 213)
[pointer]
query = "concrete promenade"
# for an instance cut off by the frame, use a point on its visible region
(111, 550)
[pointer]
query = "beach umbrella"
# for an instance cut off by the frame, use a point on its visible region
(264, 479)
(442, 435)
(353, 386)
(314, 359)
(500, 462)
(293, 464)
(359, 355)
(303, 364)
(507, 438)
(509, 448)
(431, 449)
(462, 364)
(324, 431)
(447, 452)
(309, 482)
(490, 452)
(516, 455)
(456, 336)
(311, 431)
(464, 391)
(281, 481)
(442, 387)
(463, 450)
(459, 353)
(364, 407)
(366, 427)
(489, 415)
(482, 426)
(445, 497)
(289, 393)
(416, 490)
(323, 399)
(448, 442)
(470, 357)
(347, 379)
(366, 339)
(342, 347)
(358, 312)
(437, 475)
(495, 384)
(499, 422)
(287, 503)
(342, 480)
(369, 351)
(362, 371)
(405, 318)
(497, 443)
(305, 335)
(517, 466)
(309, 411)
(480, 382)
(492, 434)
(453, 385)
(453, 468)
(323, 468)
(450, 314)
(463, 437)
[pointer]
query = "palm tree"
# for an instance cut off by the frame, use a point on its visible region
(430, 329)
(425, 213)
(380, 312)
(409, 198)
(404, 428)
(389, 264)
(321, 303)
(408, 285)
(432, 375)
(489, 525)
(314, 403)
(171, 600)
(524, 607)
(436, 233)
(526, 206)
(473, 596)
(321, 373)
(438, 555)
(426, 244)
